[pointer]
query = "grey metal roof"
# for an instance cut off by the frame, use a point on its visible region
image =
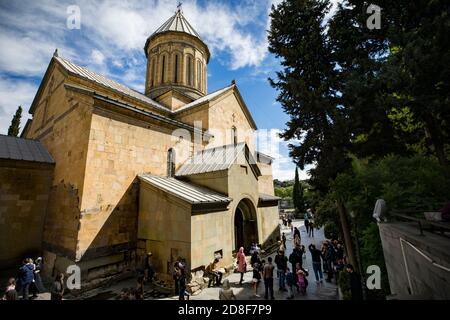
(177, 23)
(13, 148)
(217, 159)
(185, 191)
(204, 99)
(104, 81)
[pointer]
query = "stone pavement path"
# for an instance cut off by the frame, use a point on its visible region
(324, 291)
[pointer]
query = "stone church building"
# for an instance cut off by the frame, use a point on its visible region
(173, 171)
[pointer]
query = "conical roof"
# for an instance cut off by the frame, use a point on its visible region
(177, 23)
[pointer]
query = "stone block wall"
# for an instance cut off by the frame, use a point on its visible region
(24, 194)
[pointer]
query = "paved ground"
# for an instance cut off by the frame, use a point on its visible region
(323, 291)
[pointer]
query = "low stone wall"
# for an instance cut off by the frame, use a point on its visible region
(427, 257)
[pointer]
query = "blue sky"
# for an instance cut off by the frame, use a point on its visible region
(110, 41)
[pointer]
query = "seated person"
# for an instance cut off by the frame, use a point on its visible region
(213, 273)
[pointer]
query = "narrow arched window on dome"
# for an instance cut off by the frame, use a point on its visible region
(175, 78)
(199, 75)
(153, 73)
(163, 70)
(189, 71)
(171, 163)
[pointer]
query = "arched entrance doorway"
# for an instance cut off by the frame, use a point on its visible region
(245, 225)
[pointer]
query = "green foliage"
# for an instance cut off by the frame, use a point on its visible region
(331, 230)
(344, 284)
(372, 254)
(284, 193)
(306, 87)
(297, 195)
(283, 184)
(14, 128)
(417, 182)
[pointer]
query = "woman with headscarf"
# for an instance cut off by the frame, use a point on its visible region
(226, 293)
(241, 263)
(37, 286)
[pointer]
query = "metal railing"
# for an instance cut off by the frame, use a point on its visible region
(436, 227)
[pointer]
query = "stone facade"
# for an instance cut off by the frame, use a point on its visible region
(102, 138)
(24, 193)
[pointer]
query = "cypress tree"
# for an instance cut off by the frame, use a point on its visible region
(14, 128)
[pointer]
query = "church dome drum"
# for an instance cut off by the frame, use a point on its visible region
(177, 59)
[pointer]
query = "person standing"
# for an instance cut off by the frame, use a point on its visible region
(257, 268)
(181, 277)
(283, 239)
(226, 292)
(57, 291)
(290, 283)
(297, 233)
(37, 286)
(311, 227)
(294, 258)
(10, 292)
(241, 264)
(281, 262)
(316, 262)
(268, 279)
(355, 283)
(330, 257)
(26, 277)
(306, 220)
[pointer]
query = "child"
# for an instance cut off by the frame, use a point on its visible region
(301, 281)
(256, 277)
(290, 282)
(10, 292)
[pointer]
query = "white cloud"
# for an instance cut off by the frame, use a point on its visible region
(23, 55)
(269, 142)
(114, 32)
(97, 57)
(23, 94)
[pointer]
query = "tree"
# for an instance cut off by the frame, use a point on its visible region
(307, 89)
(297, 194)
(14, 128)
(395, 75)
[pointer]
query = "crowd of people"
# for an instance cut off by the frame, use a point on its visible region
(28, 282)
(327, 261)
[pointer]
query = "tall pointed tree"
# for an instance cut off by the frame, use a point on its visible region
(309, 93)
(306, 85)
(297, 194)
(14, 128)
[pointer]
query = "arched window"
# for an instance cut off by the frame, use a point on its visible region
(199, 75)
(163, 70)
(189, 71)
(175, 78)
(234, 135)
(153, 73)
(171, 163)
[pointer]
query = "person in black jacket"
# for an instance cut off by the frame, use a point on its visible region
(294, 258)
(316, 262)
(330, 258)
(281, 262)
(355, 283)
